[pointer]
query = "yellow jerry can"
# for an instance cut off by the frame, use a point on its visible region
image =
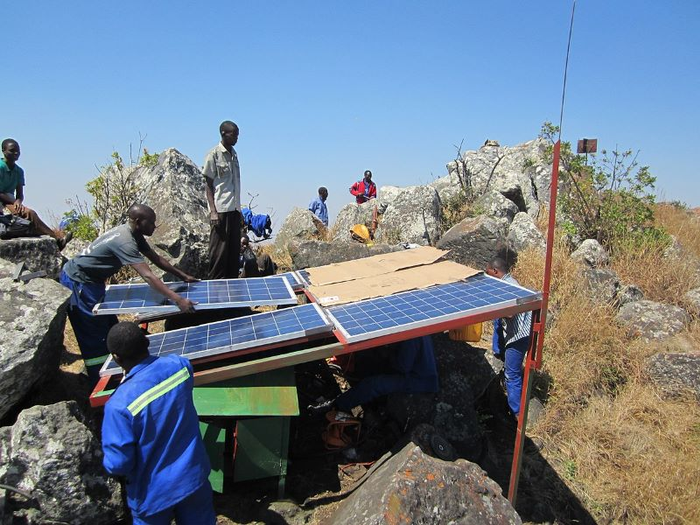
(470, 333)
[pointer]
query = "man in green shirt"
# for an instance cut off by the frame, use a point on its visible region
(12, 192)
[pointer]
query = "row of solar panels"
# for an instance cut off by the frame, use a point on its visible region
(359, 321)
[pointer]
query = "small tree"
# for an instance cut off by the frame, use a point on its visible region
(610, 199)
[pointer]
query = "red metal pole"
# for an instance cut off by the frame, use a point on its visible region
(533, 360)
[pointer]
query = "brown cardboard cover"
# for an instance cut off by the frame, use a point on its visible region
(412, 278)
(373, 266)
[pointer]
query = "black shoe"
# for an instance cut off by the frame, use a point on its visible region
(322, 408)
(64, 240)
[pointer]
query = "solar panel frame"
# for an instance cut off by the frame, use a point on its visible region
(303, 316)
(410, 308)
(140, 298)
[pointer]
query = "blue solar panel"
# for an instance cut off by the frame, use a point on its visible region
(296, 281)
(223, 293)
(421, 308)
(236, 334)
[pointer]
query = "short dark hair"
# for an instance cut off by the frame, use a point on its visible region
(7, 142)
(322, 189)
(367, 172)
(497, 263)
(127, 340)
(227, 123)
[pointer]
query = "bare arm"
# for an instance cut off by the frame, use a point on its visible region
(185, 305)
(209, 192)
(19, 199)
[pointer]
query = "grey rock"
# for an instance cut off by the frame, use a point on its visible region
(476, 241)
(299, 225)
(416, 487)
(352, 214)
(601, 285)
(628, 293)
(52, 454)
(692, 297)
(675, 249)
(523, 234)
(493, 204)
(38, 253)
(308, 254)
(6, 268)
(519, 173)
(412, 215)
(74, 248)
(591, 253)
(651, 320)
(31, 323)
(174, 188)
(676, 373)
(535, 410)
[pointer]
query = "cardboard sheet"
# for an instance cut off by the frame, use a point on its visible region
(412, 278)
(373, 266)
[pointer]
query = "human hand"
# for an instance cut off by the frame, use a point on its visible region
(19, 207)
(185, 305)
(214, 218)
(189, 279)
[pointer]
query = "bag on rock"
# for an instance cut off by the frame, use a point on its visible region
(12, 226)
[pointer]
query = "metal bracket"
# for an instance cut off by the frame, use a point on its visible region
(25, 278)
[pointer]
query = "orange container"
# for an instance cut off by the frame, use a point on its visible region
(470, 333)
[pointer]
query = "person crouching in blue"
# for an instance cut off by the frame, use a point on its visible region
(150, 435)
(511, 339)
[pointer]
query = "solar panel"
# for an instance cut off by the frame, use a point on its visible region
(222, 293)
(373, 318)
(296, 281)
(235, 334)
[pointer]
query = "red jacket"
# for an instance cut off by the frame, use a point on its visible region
(358, 190)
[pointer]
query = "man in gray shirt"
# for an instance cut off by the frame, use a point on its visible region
(85, 276)
(222, 176)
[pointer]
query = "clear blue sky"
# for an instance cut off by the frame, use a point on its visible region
(324, 90)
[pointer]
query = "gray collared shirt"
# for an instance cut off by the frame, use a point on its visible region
(518, 326)
(222, 168)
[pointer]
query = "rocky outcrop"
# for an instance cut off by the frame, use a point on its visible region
(475, 241)
(300, 225)
(307, 254)
(523, 234)
(37, 253)
(591, 253)
(493, 204)
(412, 487)
(628, 293)
(31, 323)
(651, 320)
(174, 188)
(51, 454)
(412, 215)
(519, 173)
(676, 373)
(352, 214)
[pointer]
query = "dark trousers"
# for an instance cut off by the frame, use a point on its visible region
(225, 246)
(90, 330)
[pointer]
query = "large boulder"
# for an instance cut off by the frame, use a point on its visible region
(475, 241)
(300, 225)
(412, 487)
(31, 323)
(651, 320)
(352, 214)
(591, 253)
(412, 215)
(53, 455)
(523, 234)
(675, 373)
(494, 204)
(37, 253)
(519, 173)
(308, 254)
(174, 188)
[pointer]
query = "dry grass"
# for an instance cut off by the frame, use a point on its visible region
(682, 224)
(630, 454)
